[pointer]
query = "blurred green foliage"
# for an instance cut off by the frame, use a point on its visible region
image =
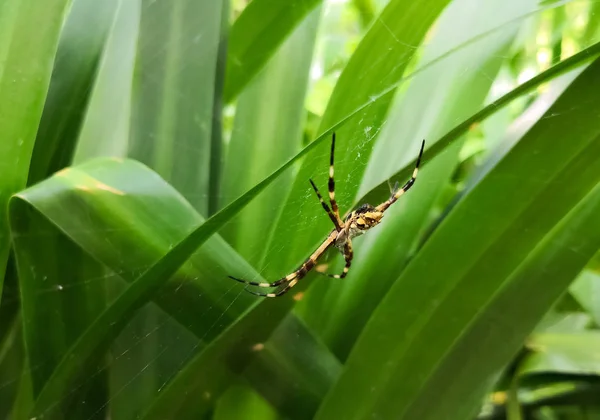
(151, 148)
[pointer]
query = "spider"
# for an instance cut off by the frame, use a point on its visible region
(355, 224)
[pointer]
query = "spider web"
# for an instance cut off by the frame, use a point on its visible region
(444, 83)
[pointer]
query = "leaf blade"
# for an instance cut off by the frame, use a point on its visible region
(428, 306)
(24, 79)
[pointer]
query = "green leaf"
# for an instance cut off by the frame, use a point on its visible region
(279, 369)
(419, 112)
(29, 38)
(81, 42)
(453, 298)
(211, 370)
(110, 99)
(113, 238)
(378, 193)
(566, 353)
(294, 370)
(256, 34)
(109, 324)
(375, 67)
(586, 290)
(173, 95)
(267, 131)
(11, 364)
(103, 209)
(52, 293)
(366, 11)
(242, 403)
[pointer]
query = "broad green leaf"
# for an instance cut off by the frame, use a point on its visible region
(267, 131)
(277, 363)
(422, 112)
(453, 298)
(104, 175)
(376, 66)
(149, 351)
(30, 33)
(24, 399)
(557, 321)
(294, 370)
(110, 323)
(154, 250)
(11, 365)
(103, 208)
(190, 371)
(212, 369)
(256, 34)
(81, 43)
(375, 103)
(110, 99)
(9, 310)
(378, 193)
(562, 353)
(592, 29)
(291, 369)
(216, 130)
(56, 306)
(242, 403)
(522, 124)
(173, 93)
(366, 11)
(586, 290)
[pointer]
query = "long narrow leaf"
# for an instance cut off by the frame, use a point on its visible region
(173, 94)
(256, 34)
(420, 112)
(267, 131)
(448, 292)
(103, 330)
(81, 44)
(29, 41)
(376, 66)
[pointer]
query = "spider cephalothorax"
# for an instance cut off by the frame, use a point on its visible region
(358, 222)
(355, 224)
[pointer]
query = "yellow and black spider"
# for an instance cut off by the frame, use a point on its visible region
(355, 224)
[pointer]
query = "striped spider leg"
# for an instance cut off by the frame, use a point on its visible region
(355, 224)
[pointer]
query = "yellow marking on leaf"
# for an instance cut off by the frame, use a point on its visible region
(258, 347)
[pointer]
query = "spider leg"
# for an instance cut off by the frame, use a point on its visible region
(326, 207)
(280, 292)
(290, 280)
(348, 255)
(296, 276)
(276, 283)
(331, 183)
(397, 193)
